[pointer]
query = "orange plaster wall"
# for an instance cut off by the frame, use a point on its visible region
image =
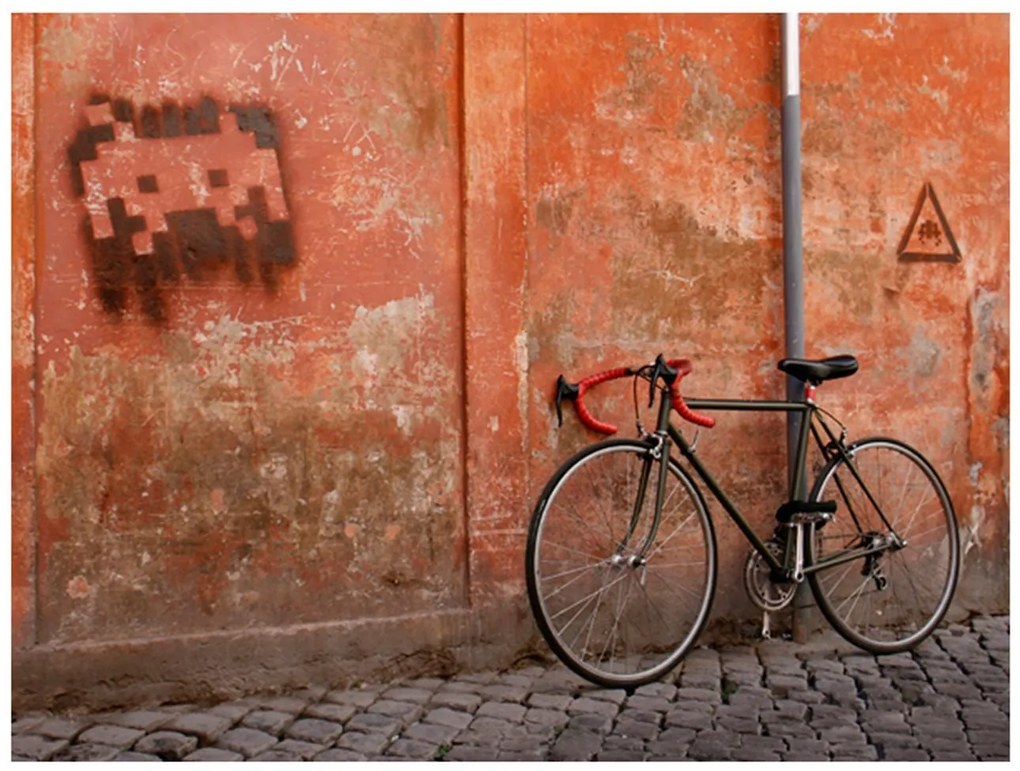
(475, 205)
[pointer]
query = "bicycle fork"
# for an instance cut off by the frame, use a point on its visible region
(656, 463)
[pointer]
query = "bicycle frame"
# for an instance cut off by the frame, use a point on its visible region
(808, 412)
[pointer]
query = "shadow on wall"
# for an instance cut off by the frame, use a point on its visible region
(172, 192)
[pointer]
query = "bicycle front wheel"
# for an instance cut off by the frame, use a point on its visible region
(893, 548)
(619, 596)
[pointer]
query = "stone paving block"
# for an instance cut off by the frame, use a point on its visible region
(590, 721)
(314, 731)
(472, 753)
(274, 755)
(698, 694)
(613, 695)
(945, 756)
(36, 747)
(404, 711)
(665, 749)
(849, 733)
(516, 679)
(991, 752)
(643, 730)
(497, 692)
(713, 745)
(335, 713)
(889, 740)
(463, 700)
(546, 717)
(551, 701)
(370, 722)
(214, 755)
(130, 756)
(518, 743)
(617, 742)
(310, 693)
(624, 756)
(662, 690)
(340, 756)
(432, 733)
(25, 724)
(96, 753)
(481, 678)
(300, 749)
(887, 721)
(830, 715)
(291, 704)
(513, 713)
(177, 709)
(575, 745)
(113, 735)
(356, 698)
(585, 705)
(738, 725)
(652, 703)
(700, 680)
(61, 728)
(426, 683)
(491, 726)
(989, 738)
(167, 745)
(232, 711)
(412, 749)
(755, 755)
(903, 753)
(247, 741)
(683, 718)
(268, 720)
(853, 752)
(143, 720)
(205, 725)
(448, 717)
(405, 693)
(364, 743)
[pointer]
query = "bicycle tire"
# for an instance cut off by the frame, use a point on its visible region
(888, 603)
(577, 563)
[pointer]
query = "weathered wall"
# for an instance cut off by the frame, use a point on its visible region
(292, 395)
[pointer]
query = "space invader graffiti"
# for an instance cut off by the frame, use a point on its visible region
(179, 191)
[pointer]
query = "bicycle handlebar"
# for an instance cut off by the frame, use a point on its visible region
(671, 371)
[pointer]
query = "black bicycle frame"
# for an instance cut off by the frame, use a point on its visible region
(807, 412)
(808, 425)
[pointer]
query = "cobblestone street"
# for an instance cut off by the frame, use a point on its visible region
(773, 700)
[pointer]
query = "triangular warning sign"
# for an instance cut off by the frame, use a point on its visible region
(928, 237)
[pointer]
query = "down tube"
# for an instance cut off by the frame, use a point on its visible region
(806, 411)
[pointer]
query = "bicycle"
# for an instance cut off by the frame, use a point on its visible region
(621, 553)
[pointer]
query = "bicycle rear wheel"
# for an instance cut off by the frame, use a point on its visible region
(890, 599)
(619, 601)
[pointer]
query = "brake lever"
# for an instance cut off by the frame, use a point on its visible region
(663, 370)
(564, 390)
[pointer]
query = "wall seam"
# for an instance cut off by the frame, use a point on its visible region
(462, 245)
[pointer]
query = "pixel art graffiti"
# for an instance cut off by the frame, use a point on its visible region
(179, 192)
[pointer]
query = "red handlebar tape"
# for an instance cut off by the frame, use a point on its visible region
(590, 382)
(683, 367)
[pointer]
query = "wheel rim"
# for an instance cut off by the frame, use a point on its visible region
(892, 600)
(618, 604)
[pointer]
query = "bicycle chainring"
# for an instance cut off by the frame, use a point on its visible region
(761, 589)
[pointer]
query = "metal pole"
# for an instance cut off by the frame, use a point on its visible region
(793, 257)
(793, 262)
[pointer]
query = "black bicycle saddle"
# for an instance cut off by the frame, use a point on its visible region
(817, 370)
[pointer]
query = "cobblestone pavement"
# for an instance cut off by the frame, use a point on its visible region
(773, 700)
